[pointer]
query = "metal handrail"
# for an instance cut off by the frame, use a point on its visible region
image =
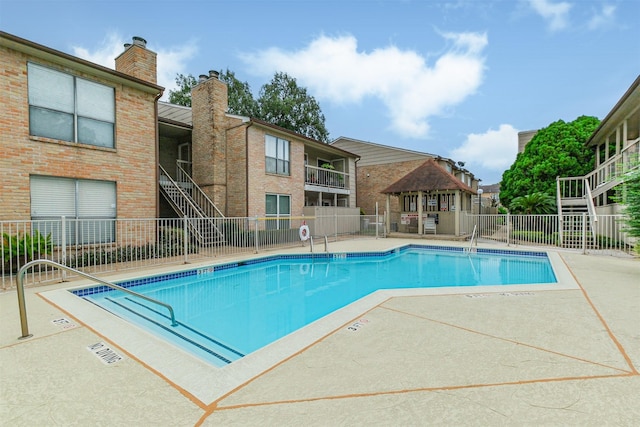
(21, 300)
(473, 235)
(207, 204)
(591, 208)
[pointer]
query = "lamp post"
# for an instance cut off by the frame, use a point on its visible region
(480, 191)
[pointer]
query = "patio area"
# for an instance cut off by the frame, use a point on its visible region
(538, 357)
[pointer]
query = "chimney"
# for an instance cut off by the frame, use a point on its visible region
(209, 105)
(138, 61)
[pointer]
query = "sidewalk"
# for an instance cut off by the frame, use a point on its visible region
(560, 357)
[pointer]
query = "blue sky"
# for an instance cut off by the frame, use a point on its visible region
(453, 78)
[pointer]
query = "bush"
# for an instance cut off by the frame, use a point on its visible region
(18, 250)
(170, 243)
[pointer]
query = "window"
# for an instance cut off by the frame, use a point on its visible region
(88, 205)
(278, 206)
(69, 108)
(277, 155)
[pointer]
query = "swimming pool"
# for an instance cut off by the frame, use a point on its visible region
(228, 311)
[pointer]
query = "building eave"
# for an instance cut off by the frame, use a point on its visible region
(623, 107)
(36, 50)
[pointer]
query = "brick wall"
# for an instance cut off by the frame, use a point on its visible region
(237, 167)
(262, 183)
(209, 150)
(138, 61)
(380, 177)
(131, 164)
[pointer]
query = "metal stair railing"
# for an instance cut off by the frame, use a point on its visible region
(186, 206)
(593, 217)
(209, 209)
(21, 300)
(559, 203)
(609, 174)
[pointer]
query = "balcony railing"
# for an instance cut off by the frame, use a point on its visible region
(604, 177)
(326, 177)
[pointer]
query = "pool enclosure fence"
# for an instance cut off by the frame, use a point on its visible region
(109, 245)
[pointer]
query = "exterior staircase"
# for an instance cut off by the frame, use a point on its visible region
(576, 209)
(188, 200)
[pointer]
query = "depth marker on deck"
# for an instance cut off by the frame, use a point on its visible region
(105, 353)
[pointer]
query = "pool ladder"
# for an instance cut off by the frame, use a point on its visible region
(326, 244)
(21, 300)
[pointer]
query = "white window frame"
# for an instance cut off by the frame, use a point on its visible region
(89, 208)
(280, 156)
(282, 220)
(80, 104)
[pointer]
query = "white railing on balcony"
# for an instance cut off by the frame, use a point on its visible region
(326, 177)
(604, 177)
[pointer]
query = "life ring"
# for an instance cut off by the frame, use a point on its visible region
(304, 232)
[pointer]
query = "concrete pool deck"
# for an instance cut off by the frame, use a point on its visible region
(543, 357)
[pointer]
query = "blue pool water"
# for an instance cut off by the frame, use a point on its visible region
(225, 312)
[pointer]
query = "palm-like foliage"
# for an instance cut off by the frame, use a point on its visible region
(533, 204)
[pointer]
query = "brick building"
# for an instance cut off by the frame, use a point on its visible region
(78, 140)
(248, 167)
(380, 166)
(82, 141)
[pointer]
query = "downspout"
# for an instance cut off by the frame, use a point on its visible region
(355, 166)
(157, 153)
(246, 167)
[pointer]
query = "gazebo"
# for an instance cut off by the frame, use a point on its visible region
(429, 191)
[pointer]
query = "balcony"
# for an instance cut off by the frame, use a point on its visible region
(322, 179)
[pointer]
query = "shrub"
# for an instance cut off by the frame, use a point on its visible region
(18, 250)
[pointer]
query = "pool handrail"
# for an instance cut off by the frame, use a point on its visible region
(21, 300)
(473, 235)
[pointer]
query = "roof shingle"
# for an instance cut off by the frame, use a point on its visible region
(429, 176)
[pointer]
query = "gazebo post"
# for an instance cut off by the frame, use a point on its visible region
(420, 225)
(388, 215)
(456, 214)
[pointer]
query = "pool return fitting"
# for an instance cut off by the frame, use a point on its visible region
(21, 300)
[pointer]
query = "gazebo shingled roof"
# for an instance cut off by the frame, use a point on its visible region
(429, 176)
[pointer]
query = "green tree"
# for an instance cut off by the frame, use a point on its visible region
(557, 150)
(241, 100)
(182, 96)
(629, 195)
(533, 204)
(281, 102)
(284, 103)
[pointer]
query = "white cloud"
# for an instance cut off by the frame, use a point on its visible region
(556, 14)
(171, 61)
(494, 150)
(603, 19)
(333, 69)
(105, 54)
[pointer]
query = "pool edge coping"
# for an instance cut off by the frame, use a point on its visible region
(208, 383)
